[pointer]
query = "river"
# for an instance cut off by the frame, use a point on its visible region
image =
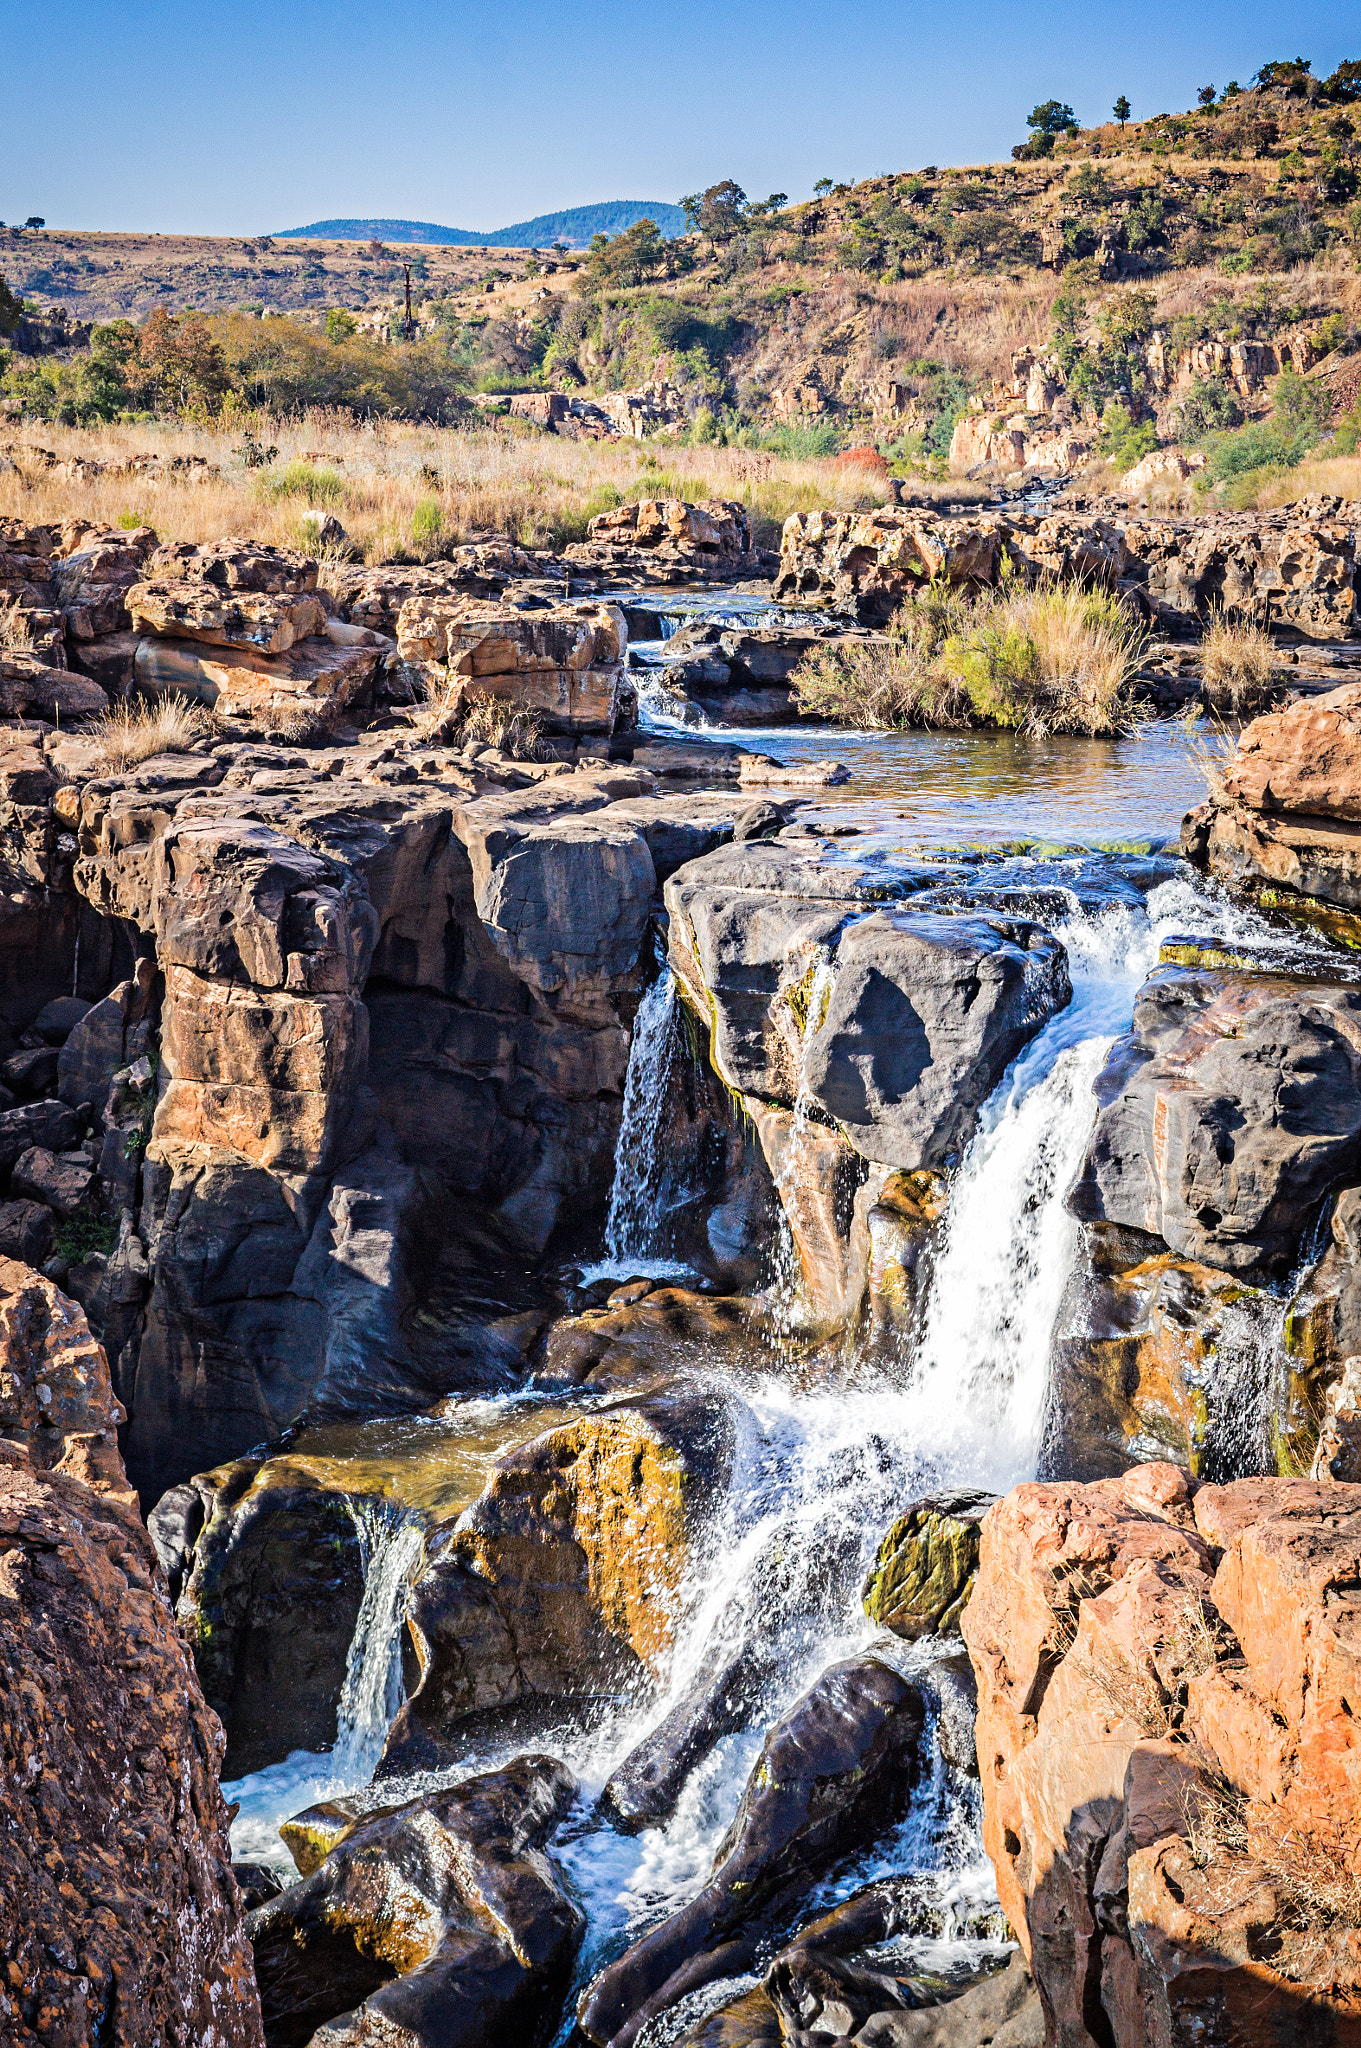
(1087, 830)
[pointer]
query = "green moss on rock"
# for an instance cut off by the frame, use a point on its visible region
(921, 1579)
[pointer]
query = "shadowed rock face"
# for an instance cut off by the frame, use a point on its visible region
(1227, 1113)
(387, 984)
(834, 1773)
(1166, 1749)
(439, 1924)
(121, 1922)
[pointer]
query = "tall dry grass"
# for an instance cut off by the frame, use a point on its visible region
(402, 489)
(133, 732)
(1237, 664)
(1048, 660)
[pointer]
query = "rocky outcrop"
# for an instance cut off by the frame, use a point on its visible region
(833, 1774)
(1284, 821)
(1294, 569)
(384, 973)
(923, 1573)
(665, 540)
(1227, 1113)
(561, 1581)
(563, 664)
(122, 1922)
(1165, 1746)
(861, 1035)
(439, 1924)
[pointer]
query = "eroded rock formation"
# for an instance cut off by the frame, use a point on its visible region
(121, 1920)
(1166, 1751)
(1294, 569)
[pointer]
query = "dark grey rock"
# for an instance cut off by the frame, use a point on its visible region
(1228, 1111)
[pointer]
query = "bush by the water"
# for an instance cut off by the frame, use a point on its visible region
(1237, 663)
(1052, 659)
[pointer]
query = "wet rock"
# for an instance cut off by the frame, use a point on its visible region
(758, 821)
(121, 1920)
(925, 1015)
(1162, 1746)
(441, 1923)
(818, 1177)
(917, 1016)
(1149, 1352)
(560, 1581)
(952, 1681)
(901, 1223)
(629, 1349)
(1226, 1113)
(256, 1882)
(271, 1595)
(833, 1774)
(923, 1573)
(644, 1790)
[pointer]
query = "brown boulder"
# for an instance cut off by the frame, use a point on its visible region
(177, 609)
(560, 1581)
(1166, 1754)
(439, 1924)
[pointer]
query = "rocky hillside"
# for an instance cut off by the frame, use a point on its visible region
(875, 310)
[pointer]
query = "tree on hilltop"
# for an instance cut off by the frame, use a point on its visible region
(721, 208)
(628, 258)
(1206, 96)
(1122, 110)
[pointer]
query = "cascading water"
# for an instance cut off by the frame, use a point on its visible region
(634, 1224)
(390, 1547)
(818, 1477)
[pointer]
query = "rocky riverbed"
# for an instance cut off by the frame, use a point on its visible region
(714, 1373)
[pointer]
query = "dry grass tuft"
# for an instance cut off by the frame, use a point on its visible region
(1237, 664)
(461, 721)
(138, 730)
(16, 635)
(1311, 1876)
(1053, 659)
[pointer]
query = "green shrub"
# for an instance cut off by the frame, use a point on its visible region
(1121, 441)
(1209, 407)
(426, 521)
(303, 480)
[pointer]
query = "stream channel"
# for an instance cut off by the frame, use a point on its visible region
(1087, 829)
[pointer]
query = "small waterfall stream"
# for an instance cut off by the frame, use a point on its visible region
(390, 1547)
(633, 1226)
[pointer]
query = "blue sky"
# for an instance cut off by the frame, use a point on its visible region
(241, 117)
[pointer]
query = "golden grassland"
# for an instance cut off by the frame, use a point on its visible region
(397, 489)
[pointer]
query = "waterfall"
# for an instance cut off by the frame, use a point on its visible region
(644, 1177)
(390, 1548)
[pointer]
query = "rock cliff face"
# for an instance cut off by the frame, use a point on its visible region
(1295, 569)
(860, 1034)
(121, 1922)
(382, 975)
(1285, 819)
(1165, 1744)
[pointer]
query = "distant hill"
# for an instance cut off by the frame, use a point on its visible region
(575, 226)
